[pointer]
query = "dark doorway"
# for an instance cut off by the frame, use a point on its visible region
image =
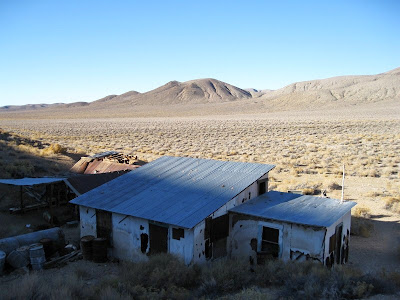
(262, 187)
(104, 224)
(338, 249)
(158, 239)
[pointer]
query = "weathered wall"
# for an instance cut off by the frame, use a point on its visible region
(296, 241)
(87, 221)
(306, 243)
(346, 221)
(126, 234)
(199, 242)
(129, 234)
(182, 247)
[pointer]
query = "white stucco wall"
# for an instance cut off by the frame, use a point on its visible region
(126, 233)
(293, 238)
(199, 242)
(346, 221)
(182, 247)
(87, 221)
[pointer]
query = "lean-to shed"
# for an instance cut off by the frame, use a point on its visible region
(291, 227)
(173, 204)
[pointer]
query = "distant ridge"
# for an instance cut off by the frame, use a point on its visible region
(331, 92)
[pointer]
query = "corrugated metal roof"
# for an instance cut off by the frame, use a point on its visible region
(30, 181)
(181, 191)
(81, 165)
(81, 184)
(294, 208)
(101, 166)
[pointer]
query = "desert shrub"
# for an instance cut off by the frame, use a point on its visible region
(28, 287)
(253, 293)
(361, 226)
(18, 169)
(53, 149)
(335, 186)
(161, 271)
(392, 203)
(362, 212)
(225, 276)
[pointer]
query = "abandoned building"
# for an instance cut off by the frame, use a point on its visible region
(291, 227)
(205, 209)
(173, 204)
(105, 162)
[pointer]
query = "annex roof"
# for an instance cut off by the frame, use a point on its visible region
(30, 181)
(295, 208)
(181, 191)
(83, 183)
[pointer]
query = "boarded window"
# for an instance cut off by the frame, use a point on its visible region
(262, 187)
(178, 233)
(104, 225)
(158, 239)
(270, 241)
(332, 243)
(220, 228)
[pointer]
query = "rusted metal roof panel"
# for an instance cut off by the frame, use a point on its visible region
(81, 184)
(101, 166)
(181, 191)
(30, 181)
(295, 208)
(81, 165)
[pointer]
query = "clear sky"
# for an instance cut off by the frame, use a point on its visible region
(66, 51)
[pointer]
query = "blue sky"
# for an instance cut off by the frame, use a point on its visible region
(67, 51)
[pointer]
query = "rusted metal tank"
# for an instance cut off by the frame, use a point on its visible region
(47, 247)
(2, 261)
(55, 234)
(17, 259)
(99, 250)
(86, 247)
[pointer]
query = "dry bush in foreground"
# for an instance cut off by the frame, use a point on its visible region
(166, 277)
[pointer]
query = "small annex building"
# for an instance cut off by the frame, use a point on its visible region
(173, 204)
(291, 227)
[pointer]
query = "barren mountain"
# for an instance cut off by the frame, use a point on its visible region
(210, 96)
(189, 92)
(337, 91)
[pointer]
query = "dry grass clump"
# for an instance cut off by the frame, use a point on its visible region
(53, 149)
(362, 212)
(361, 227)
(392, 203)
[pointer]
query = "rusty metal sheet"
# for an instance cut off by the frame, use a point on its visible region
(83, 183)
(295, 208)
(181, 191)
(80, 166)
(101, 166)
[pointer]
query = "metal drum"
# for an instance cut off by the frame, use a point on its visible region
(99, 247)
(17, 259)
(2, 261)
(86, 247)
(37, 256)
(47, 247)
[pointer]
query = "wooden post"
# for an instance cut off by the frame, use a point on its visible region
(22, 200)
(342, 199)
